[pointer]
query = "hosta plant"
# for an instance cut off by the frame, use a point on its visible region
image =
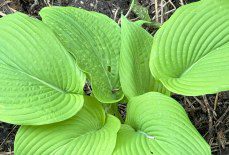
(44, 66)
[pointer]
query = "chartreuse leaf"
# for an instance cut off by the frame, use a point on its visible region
(190, 52)
(135, 75)
(94, 40)
(89, 132)
(156, 124)
(39, 81)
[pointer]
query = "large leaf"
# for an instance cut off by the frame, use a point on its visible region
(39, 81)
(135, 75)
(190, 54)
(89, 132)
(158, 125)
(94, 40)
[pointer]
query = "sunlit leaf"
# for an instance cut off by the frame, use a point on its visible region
(156, 124)
(94, 41)
(39, 81)
(191, 51)
(135, 75)
(89, 132)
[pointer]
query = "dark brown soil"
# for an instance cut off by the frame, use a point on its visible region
(209, 114)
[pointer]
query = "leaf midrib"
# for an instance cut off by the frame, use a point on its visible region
(70, 140)
(88, 35)
(37, 79)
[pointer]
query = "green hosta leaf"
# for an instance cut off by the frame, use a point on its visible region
(94, 40)
(39, 81)
(190, 52)
(89, 132)
(135, 75)
(158, 125)
(141, 11)
(141, 22)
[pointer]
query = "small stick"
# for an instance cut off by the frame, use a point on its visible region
(156, 10)
(116, 13)
(189, 102)
(8, 135)
(170, 11)
(13, 11)
(130, 8)
(201, 104)
(4, 3)
(181, 2)
(172, 4)
(129, 11)
(162, 12)
(2, 14)
(216, 101)
(7, 153)
(222, 117)
(221, 138)
(96, 4)
(210, 122)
